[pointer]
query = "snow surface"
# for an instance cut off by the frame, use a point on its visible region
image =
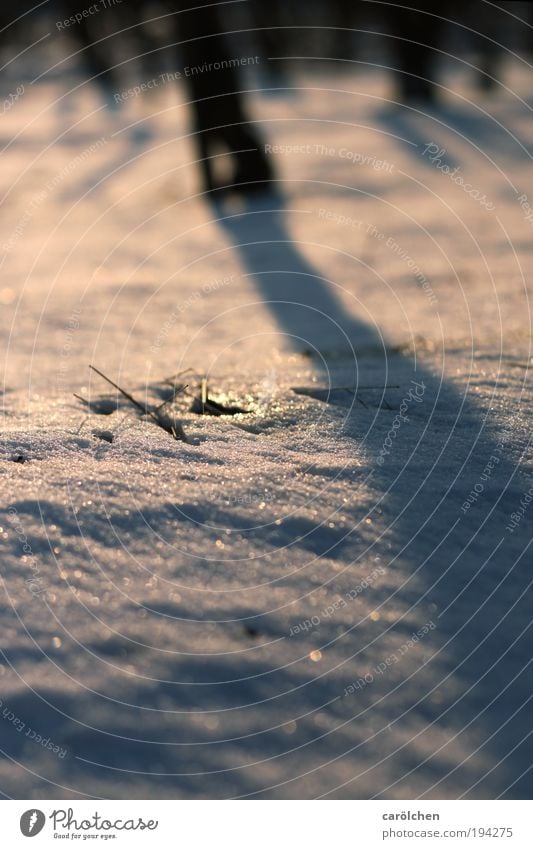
(154, 590)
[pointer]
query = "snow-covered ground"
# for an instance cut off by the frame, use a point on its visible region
(326, 596)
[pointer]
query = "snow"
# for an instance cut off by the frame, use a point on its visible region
(160, 598)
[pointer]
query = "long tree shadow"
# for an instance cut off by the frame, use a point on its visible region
(304, 303)
(472, 567)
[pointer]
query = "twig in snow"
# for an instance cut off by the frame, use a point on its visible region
(122, 391)
(173, 377)
(170, 425)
